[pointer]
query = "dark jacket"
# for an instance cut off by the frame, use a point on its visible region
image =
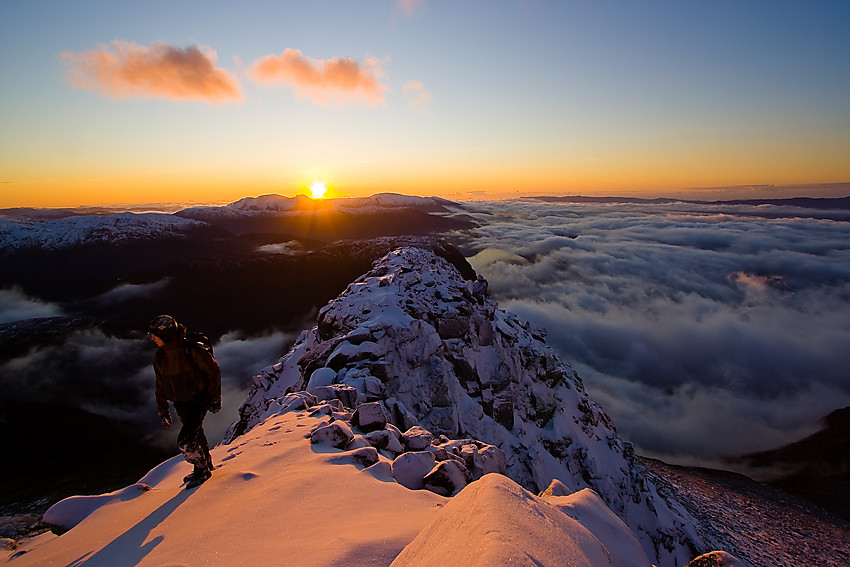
(180, 378)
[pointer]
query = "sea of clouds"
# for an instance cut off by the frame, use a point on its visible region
(704, 330)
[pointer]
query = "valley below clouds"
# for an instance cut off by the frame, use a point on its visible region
(705, 330)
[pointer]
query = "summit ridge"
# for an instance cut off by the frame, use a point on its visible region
(412, 336)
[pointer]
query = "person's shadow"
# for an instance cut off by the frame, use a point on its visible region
(129, 548)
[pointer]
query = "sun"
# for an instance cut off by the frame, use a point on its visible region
(318, 190)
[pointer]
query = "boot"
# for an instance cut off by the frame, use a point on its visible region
(198, 478)
(198, 472)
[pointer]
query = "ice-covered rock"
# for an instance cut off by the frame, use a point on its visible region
(455, 365)
(337, 434)
(409, 469)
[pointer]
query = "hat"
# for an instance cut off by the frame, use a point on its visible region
(164, 327)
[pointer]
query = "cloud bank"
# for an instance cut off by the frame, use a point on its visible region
(703, 330)
(127, 70)
(337, 80)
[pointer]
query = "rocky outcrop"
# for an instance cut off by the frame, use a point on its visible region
(411, 336)
(418, 459)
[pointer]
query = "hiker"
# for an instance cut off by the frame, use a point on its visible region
(189, 377)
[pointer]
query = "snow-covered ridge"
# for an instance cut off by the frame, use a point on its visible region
(87, 229)
(411, 336)
(273, 204)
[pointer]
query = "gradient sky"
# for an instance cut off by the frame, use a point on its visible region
(132, 102)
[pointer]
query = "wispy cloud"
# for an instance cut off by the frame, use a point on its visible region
(415, 94)
(128, 70)
(337, 80)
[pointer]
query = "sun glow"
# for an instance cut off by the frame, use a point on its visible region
(318, 190)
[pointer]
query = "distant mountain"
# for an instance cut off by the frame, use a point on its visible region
(816, 468)
(96, 253)
(67, 232)
(328, 220)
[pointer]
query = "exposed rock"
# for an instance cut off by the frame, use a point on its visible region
(417, 439)
(447, 478)
(369, 417)
(556, 488)
(381, 440)
(337, 434)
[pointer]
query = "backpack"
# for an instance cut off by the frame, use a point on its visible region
(197, 341)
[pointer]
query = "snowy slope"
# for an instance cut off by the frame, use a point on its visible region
(411, 335)
(274, 499)
(87, 229)
(277, 498)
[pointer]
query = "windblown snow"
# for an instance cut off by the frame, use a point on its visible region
(413, 425)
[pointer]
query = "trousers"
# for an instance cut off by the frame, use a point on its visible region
(191, 441)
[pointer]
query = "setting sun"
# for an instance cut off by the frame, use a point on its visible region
(318, 190)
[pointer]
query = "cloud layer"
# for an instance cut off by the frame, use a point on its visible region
(704, 331)
(337, 80)
(127, 70)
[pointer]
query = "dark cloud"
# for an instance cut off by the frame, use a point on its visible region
(17, 306)
(704, 332)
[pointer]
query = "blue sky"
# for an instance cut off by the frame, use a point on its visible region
(519, 97)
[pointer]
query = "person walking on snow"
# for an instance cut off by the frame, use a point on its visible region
(191, 379)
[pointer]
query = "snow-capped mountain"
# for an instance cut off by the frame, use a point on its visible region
(414, 336)
(87, 229)
(274, 204)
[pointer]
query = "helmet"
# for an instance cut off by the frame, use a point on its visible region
(164, 327)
